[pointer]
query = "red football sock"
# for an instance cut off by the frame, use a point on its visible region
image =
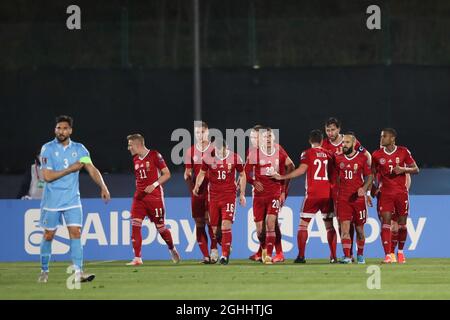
(352, 237)
(332, 241)
(302, 237)
(346, 244)
(278, 246)
(136, 238)
(270, 241)
(262, 240)
(226, 242)
(402, 235)
(386, 238)
(202, 240)
(212, 236)
(166, 235)
(360, 244)
(394, 241)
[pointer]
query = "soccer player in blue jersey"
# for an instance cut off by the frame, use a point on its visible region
(61, 161)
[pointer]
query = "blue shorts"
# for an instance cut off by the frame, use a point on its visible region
(51, 220)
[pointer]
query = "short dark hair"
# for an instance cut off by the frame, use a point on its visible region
(201, 124)
(315, 136)
(392, 131)
(64, 118)
(350, 133)
(136, 137)
(334, 121)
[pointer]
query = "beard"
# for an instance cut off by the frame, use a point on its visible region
(348, 151)
(62, 138)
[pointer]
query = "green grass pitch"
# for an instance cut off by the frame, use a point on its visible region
(241, 279)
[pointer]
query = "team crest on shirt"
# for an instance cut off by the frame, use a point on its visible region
(342, 165)
(229, 166)
(382, 161)
(397, 160)
(74, 154)
(136, 166)
(56, 153)
(147, 165)
(355, 167)
(195, 158)
(214, 166)
(262, 162)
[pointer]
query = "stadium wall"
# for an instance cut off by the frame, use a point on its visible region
(107, 229)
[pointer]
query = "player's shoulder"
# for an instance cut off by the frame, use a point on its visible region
(403, 149)
(377, 152)
(48, 145)
(154, 154)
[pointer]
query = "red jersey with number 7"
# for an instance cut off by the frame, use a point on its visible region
(384, 163)
(147, 170)
(319, 162)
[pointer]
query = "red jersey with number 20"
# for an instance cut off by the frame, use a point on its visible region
(147, 170)
(319, 162)
(351, 173)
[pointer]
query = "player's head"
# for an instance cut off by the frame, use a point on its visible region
(315, 137)
(388, 136)
(332, 128)
(63, 128)
(348, 143)
(220, 147)
(266, 137)
(136, 143)
(201, 131)
(254, 135)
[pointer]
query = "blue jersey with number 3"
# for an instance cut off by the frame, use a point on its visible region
(63, 193)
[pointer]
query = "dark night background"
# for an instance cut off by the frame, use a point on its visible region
(289, 64)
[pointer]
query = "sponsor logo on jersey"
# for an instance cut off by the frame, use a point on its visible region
(390, 161)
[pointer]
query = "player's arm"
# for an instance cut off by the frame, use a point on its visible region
(199, 181)
(97, 177)
(368, 179)
(408, 181)
(242, 184)
(293, 174)
(188, 178)
(409, 169)
(52, 175)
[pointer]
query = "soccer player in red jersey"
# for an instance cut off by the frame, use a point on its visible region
(316, 163)
(269, 194)
(199, 203)
(393, 163)
(333, 143)
(279, 256)
(221, 169)
(354, 178)
(151, 173)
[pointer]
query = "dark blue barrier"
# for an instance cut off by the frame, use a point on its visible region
(107, 229)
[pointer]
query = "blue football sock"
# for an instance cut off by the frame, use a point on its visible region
(76, 253)
(46, 253)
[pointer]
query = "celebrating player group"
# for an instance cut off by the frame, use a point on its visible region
(342, 177)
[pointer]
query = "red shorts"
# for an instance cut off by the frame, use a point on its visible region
(199, 206)
(312, 206)
(221, 209)
(394, 216)
(354, 211)
(397, 204)
(263, 206)
(153, 209)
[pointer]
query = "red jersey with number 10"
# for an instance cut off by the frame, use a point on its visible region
(351, 173)
(147, 170)
(319, 162)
